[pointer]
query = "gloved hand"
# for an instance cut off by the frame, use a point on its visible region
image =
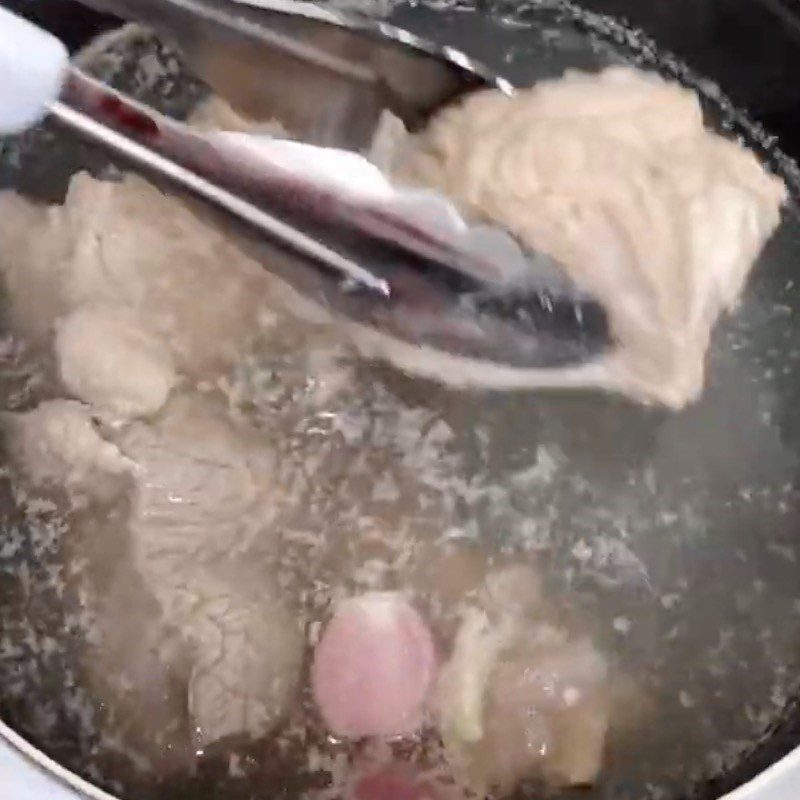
(32, 67)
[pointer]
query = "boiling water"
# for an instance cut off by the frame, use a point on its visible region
(672, 538)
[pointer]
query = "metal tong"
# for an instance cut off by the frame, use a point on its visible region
(336, 77)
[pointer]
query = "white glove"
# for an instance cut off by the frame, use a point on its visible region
(32, 68)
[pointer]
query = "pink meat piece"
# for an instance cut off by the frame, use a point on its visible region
(373, 667)
(393, 782)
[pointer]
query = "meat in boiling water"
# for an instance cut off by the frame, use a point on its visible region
(520, 697)
(200, 475)
(616, 177)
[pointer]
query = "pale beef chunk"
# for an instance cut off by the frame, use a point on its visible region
(58, 446)
(127, 246)
(615, 176)
(107, 358)
(520, 698)
(547, 712)
(203, 498)
(142, 301)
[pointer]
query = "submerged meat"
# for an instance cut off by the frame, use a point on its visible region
(149, 311)
(547, 712)
(246, 656)
(127, 246)
(520, 698)
(147, 308)
(393, 782)
(107, 358)
(614, 175)
(203, 499)
(373, 667)
(58, 445)
(195, 494)
(204, 486)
